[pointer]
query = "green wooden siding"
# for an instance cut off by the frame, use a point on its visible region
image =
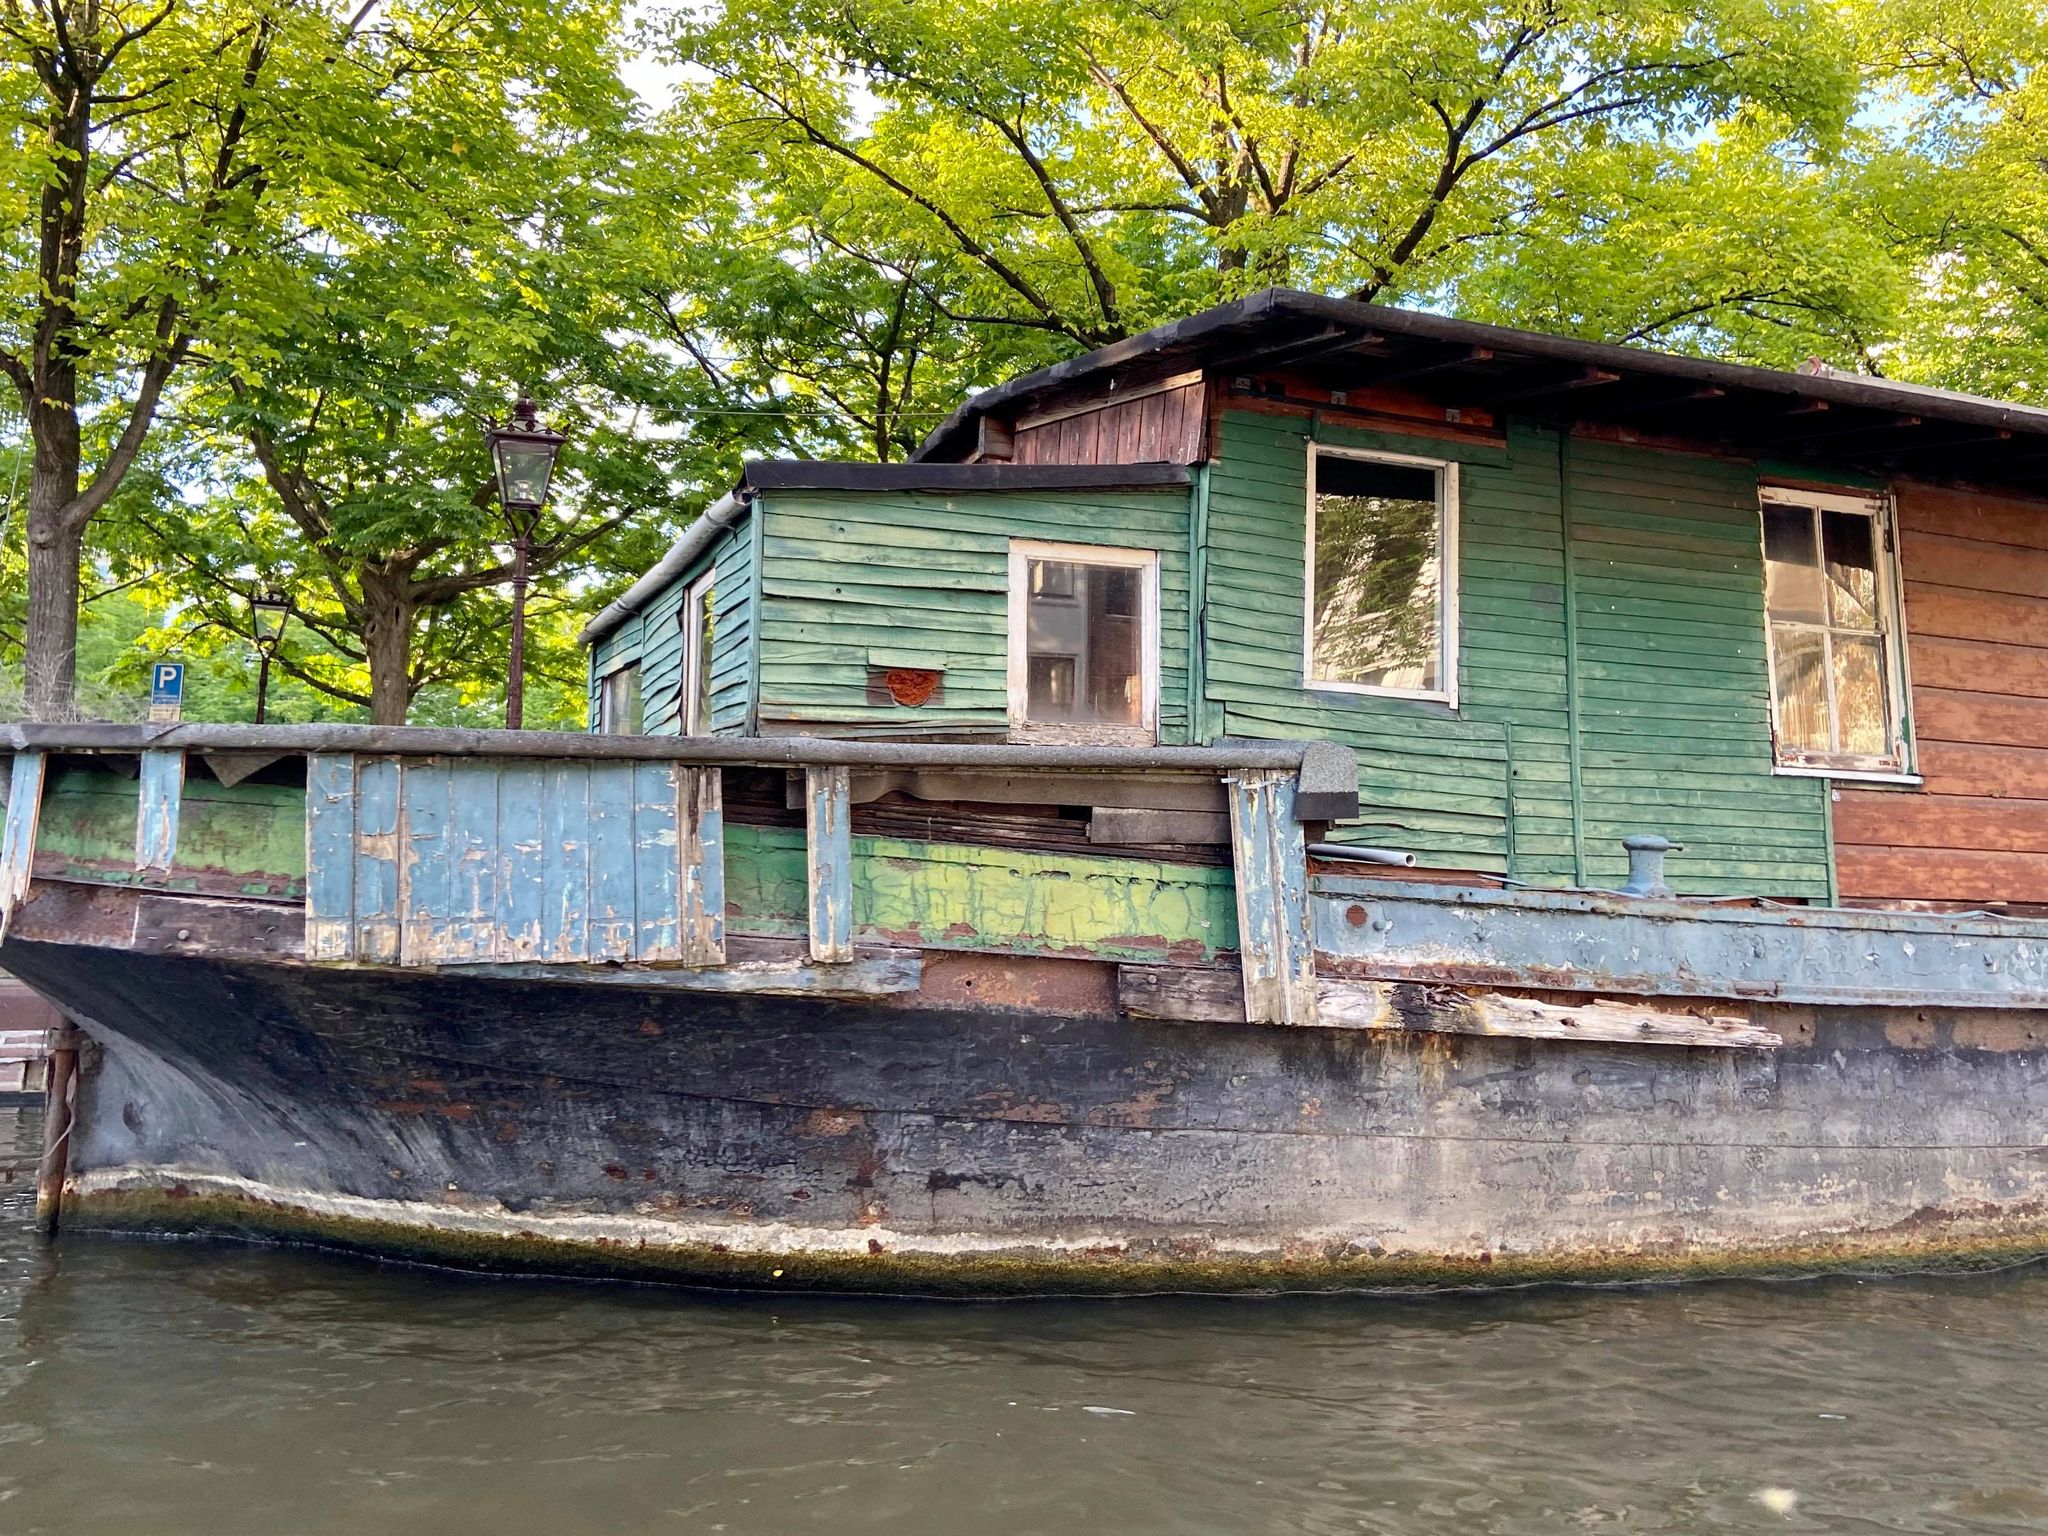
(851, 580)
(654, 638)
(1654, 628)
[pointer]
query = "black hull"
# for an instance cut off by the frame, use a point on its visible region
(884, 1145)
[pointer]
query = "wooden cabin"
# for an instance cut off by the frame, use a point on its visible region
(1553, 593)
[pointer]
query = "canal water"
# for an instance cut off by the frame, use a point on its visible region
(183, 1389)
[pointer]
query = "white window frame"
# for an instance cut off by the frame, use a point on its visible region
(690, 619)
(1447, 599)
(1879, 507)
(604, 697)
(1022, 553)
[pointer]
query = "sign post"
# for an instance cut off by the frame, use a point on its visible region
(166, 692)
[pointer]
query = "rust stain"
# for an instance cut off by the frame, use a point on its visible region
(833, 1122)
(614, 1171)
(2000, 1031)
(419, 1108)
(1914, 1034)
(1135, 1113)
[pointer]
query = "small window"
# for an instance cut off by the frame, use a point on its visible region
(696, 619)
(1836, 697)
(1084, 640)
(618, 702)
(1382, 547)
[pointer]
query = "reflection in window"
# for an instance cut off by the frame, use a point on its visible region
(1377, 603)
(1084, 644)
(1830, 636)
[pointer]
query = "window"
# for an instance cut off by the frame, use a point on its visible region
(1836, 694)
(695, 617)
(1084, 640)
(618, 702)
(1382, 584)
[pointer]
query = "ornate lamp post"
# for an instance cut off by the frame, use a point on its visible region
(269, 612)
(523, 458)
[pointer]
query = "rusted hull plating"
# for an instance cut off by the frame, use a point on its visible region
(790, 1143)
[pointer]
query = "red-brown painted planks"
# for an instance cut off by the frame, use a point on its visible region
(1981, 824)
(1976, 577)
(1914, 874)
(1164, 426)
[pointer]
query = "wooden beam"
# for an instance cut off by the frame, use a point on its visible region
(701, 850)
(18, 835)
(1460, 359)
(1270, 859)
(885, 974)
(828, 848)
(156, 811)
(1585, 378)
(1195, 995)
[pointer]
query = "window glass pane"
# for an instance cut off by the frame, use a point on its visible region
(1859, 696)
(1378, 575)
(1792, 585)
(1799, 659)
(1851, 544)
(1085, 644)
(619, 703)
(697, 719)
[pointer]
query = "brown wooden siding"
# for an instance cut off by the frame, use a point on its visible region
(1162, 427)
(1975, 569)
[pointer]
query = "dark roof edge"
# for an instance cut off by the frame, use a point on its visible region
(1355, 317)
(821, 475)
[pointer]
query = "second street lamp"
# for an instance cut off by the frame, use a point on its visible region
(523, 460)
(269, 612)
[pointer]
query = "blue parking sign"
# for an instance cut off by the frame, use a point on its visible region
(166, 691)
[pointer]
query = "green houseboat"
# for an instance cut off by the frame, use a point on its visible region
(1313, 795)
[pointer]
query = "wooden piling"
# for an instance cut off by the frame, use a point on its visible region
(59, 1112)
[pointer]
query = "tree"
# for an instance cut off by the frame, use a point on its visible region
(1091, 170)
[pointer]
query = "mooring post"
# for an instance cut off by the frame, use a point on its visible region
(1269, 857)
(60, 1094)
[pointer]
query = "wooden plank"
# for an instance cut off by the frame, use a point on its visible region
(524, 854)
(1931, 874)
(1964, 768)
(613, 924)
(426, 871)
(565, 872)
(1985, 718)
(1967, 614)
(1980, 666)
(1972, 565)
(657, 862)
(161, 788)
(1209, 996)
(887, 974)
(1877, 819)
(1973, 514)
(380, 853)
(828, 849)
(701, 858)
(1269, 859)
(18, 835)
(330, 856)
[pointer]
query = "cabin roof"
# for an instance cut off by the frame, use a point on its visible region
(1840, 418)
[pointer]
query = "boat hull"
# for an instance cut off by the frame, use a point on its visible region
(927, 1144)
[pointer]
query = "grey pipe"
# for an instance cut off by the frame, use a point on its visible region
(1360, 855)
(711, 522)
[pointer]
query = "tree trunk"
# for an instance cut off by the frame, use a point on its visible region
(387, 640)
(55, 550)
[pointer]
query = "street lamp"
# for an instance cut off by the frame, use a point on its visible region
(523, 458)
(269, 612)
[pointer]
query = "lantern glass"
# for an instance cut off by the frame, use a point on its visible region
(525, 466)
(269, 611)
